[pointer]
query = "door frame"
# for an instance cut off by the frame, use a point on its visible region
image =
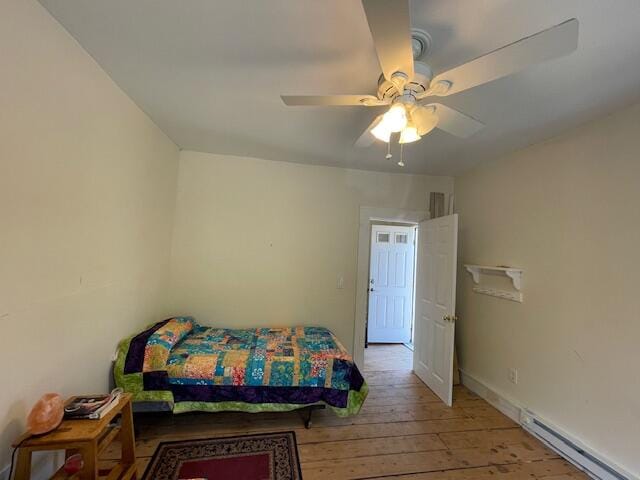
(367, 216)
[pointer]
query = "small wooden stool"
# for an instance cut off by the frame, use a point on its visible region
(89, 438)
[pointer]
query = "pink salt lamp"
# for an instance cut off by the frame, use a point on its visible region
(46, 414)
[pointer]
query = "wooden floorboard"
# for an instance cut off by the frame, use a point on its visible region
(384, 357)
(403, 432)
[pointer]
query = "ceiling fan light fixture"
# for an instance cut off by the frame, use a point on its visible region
(409, 134)
(381, 132)
(425, 119)
(396, 118)
(429, 125)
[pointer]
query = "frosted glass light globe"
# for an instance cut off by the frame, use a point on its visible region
(396, 118)
(381, 132)
(409, 134)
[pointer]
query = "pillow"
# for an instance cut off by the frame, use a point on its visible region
(161, 342)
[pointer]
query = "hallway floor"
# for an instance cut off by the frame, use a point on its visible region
(382, 357)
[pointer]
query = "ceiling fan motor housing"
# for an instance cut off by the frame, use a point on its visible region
(420, 44)
(419, 83)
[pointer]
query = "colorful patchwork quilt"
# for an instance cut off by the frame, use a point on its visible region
(193, 367)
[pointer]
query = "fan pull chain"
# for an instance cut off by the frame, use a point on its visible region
(388, 155)
(401, 163)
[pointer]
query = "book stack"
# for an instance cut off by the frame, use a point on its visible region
(92, 407)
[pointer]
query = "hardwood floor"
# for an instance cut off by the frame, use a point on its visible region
(383, 357)
(403, 432)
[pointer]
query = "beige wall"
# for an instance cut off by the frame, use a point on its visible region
(567, 211)
(87, 190)
(259, 242)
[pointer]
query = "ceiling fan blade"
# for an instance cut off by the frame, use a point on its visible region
(367, 138)
(390, 27)
(331, 100)
(455, 122)
(552, 43)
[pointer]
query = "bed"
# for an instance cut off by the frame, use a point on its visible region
(182, 366)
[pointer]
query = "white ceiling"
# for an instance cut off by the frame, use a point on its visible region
(210, 72)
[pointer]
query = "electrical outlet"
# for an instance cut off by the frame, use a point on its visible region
(513, 376)
(340, 282)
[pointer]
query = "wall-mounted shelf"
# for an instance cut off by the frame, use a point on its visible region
(515, 274)
(513, 296)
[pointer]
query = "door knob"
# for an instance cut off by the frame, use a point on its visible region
(450, 318)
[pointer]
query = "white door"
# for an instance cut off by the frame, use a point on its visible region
(391, 284)
(435, 304)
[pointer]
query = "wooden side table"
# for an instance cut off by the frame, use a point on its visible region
(89, 438)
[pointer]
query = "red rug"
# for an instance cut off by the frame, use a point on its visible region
(271, 456)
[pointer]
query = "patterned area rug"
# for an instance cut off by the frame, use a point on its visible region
(271, 456)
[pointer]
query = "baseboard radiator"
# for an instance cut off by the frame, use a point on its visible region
(569, 449)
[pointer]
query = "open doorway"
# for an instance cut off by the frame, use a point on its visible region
(391, 296)
(435, 288)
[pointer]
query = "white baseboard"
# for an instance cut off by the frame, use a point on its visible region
(566, 445)
(507, 406)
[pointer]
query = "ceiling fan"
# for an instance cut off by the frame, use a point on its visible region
(408, 86)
